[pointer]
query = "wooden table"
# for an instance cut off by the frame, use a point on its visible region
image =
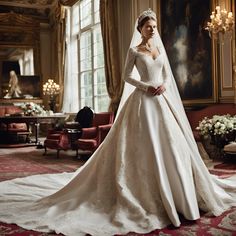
(35, 120)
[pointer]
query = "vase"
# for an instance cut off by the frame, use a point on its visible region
(221, 140)
(52, 103)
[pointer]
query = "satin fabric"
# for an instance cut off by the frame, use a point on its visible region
(146, 172)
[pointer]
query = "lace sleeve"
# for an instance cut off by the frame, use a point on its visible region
(128, 72)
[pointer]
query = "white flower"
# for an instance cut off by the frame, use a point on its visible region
(31, 108)
(217, 125)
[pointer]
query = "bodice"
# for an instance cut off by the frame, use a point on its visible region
(151, 71)
(149, 68)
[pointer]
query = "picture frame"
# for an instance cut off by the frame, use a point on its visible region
(29, 86)
(190, 50)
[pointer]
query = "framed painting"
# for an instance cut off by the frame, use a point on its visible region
(190, 49)
(29, 86)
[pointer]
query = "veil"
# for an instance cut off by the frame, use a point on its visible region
(172, 87)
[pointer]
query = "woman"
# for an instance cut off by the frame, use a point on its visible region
(14, 88)
(146, 172)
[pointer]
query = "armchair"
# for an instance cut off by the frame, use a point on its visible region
(65, 138)
(92, 137)
(56, 140)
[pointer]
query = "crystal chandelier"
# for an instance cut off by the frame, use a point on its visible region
(51, 89)
(222, 23)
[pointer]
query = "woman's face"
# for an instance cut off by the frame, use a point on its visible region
(149, 29)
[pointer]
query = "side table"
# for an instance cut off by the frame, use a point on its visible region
(73, 134)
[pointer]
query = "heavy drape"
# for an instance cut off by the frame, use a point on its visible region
(109, 27)
(61, 48)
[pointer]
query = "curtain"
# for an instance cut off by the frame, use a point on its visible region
(109, 27)
(59, 53)
(71, 93)
(68, 2)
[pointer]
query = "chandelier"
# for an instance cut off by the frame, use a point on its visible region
(222, 23)
(51, 89)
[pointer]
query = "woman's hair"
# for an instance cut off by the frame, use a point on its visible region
(143, 21)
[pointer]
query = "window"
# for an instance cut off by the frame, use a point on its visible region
(86, 31)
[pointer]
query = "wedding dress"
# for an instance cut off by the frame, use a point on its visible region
(146, 172)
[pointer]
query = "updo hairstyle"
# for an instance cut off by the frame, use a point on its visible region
(143, 21)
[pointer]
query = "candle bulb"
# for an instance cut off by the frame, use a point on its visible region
(221, 22)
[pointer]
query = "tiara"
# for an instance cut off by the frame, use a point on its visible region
(146, 13)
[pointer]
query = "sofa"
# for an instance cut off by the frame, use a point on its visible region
(10, 132)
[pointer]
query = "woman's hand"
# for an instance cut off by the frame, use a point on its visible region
(156, 91)
(160, 89)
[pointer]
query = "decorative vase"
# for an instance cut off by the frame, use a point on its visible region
(52, 103)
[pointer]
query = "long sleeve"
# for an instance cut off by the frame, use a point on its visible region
(128, 75)
(166, 75)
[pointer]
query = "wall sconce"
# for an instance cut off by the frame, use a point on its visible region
(51, 89)
(222, 22)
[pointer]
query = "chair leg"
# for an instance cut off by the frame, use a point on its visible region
(58, 150)
(45, 151)
(77, 153)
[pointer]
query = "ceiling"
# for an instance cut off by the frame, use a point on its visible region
(40, 9)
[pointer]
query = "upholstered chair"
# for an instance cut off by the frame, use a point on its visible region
(93, 136)
(64, 139)
(58, 140)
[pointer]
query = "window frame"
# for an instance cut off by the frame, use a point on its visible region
(91, 29)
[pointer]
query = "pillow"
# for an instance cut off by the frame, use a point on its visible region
(230, 147)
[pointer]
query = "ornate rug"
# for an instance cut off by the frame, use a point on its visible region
(19, 162)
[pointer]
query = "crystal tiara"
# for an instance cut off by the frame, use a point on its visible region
(146, 13)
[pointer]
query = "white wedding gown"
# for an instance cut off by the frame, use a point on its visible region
(146, 172)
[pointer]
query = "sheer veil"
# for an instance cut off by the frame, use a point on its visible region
(128, 89)
(171, 94)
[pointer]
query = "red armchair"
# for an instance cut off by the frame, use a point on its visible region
(92, 137)
(56, 140)
(65, 139)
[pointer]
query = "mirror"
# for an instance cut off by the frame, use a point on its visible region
(19, 55)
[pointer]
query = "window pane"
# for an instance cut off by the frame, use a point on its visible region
(75, 19)
(101, 103)
(86, 13)
(96, 11)
(100, 82)
(86, 102)
(85, 51)
(86, 92)
(86, 79)
(98, 48)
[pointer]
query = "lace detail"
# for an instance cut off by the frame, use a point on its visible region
(152, 173)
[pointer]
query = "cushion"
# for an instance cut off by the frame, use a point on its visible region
(87, 144)
(231, 148)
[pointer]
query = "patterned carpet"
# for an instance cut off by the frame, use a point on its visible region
(20, 162)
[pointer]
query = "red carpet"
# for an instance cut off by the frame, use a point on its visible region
(28, 161)
(226, 166)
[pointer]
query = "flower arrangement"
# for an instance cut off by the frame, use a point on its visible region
(217, 125)
(31, 108)
(221, 129)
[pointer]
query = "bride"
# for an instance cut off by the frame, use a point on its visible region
(147, 171)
